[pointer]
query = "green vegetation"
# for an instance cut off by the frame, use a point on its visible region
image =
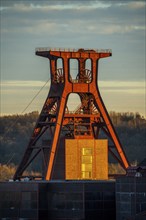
(7, 172)
(131, 130)
(16, 130)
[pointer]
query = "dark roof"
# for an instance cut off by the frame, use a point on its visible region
(142, 163)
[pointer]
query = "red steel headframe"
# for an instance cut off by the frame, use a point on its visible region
(61, 86)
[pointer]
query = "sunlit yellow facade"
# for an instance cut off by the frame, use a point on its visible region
(86, 159)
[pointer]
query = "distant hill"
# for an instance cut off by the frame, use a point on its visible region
(16, 130)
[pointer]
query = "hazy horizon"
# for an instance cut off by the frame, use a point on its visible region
(106, 87)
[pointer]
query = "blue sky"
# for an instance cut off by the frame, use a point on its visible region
(117, 25)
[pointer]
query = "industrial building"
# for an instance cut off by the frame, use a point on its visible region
(74, 148)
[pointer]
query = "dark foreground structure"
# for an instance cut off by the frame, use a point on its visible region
(131, 198)
(58, 200)
(123, 199)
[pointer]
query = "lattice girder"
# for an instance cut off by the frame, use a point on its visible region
(87, 120)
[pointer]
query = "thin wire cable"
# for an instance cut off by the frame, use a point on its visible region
(25, 108)
(35, 96)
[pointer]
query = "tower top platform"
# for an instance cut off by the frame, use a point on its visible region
(84, 50)
(70, 53)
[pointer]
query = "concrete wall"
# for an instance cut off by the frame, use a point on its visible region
(71, 200)
(130, 197)
(57, 200)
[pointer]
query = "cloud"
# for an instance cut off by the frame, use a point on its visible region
(48, 6)
(73, 27)
(54, 6)
(72, 17)
(104, 85)
(122, 84)
(136, 4)
(103, 24)
(13, 84)
(113, 29)
(3, 8)
(59, 4)
(123, 87)
(117, 96)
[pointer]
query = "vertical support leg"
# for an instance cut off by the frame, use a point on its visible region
(106, 117)
(61, 111)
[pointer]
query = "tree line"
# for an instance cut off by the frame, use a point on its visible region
(15, 131)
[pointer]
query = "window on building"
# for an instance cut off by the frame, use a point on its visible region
(86, 163)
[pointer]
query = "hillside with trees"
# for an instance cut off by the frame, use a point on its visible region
(15, 131)
(131, 129)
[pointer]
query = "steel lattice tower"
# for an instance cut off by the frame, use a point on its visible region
(87, 121)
